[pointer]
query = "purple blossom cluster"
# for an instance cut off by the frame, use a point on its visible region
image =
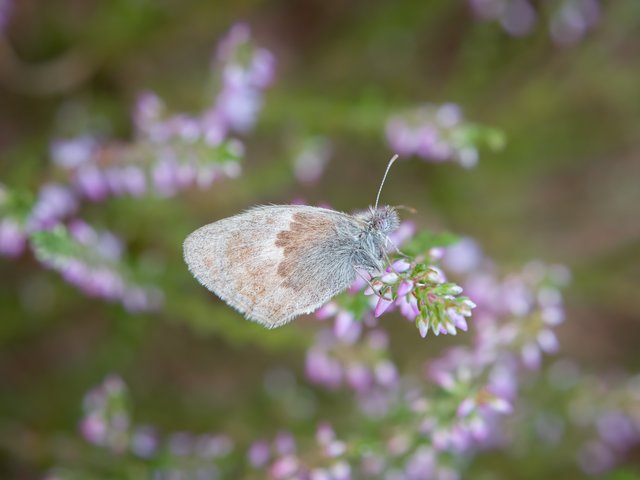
(246, 72)
(361, 366)
(174, 152)
(107, 423)
(325, 460)
(439, 134)
(602, 408)
(92, 262)
(569, 20)
(423, 295)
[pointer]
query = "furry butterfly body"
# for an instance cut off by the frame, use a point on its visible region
(273, 263)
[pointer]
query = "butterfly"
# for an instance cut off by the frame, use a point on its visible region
(275, 262)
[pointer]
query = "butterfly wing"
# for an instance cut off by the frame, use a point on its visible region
(274, 263)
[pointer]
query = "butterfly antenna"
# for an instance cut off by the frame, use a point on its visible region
(383, 179)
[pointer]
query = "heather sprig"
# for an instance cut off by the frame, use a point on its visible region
(172, 152)
(412, 283)
(423, 295)
(92, 262)
(439, 133)
(568, 20)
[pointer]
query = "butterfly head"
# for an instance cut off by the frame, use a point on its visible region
(382, 220)
(373, 242)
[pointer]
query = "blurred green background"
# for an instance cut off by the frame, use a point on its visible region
(565, 189)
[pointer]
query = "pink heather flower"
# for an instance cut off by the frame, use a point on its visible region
(325, 434)
(399, 444)
(449, 115)
(503, 381)
(164, 176)
(440, 439)
(144, 442)
(572, 20)
(54, 202)
(374, 287)
(213, 446)
(386, 373)
(389, 278)
(326, 311)
(74, 152)
(553, 315)
(400, 266)
(466, 407)
(548, 341)
(341, 471)
(405, 231)
(259, 454)
(408, 307)
(595, 458)
(531, 356)
(134, 180)
(405, 287)
(358, 377)
(94, 429)
(384, 302)
(617, 430)
(284, 467)
(285, 443)
(423, 328)
(91, 183)
(105, 283)
(239, 106)
(335, 448)
(147, 112)
(445, 473)
(320, 368)
(458, 320)
(442, 377)
(263, 68)
(343, 323)
(421, 464)
(462, 257)
(320, 474)
(518, 18)
(13, 240)
(436, 275)
(487, 9)
(479, 428)
(237, 35)
(500, 405)
(142, 299)
(82, 232)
